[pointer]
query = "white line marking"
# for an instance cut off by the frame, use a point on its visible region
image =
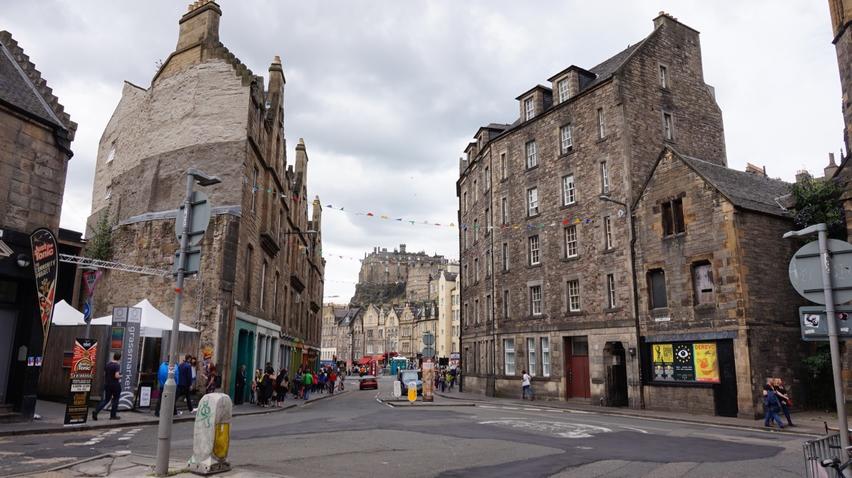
(486, 406)
(533, 409)
(509, 408)
(124, 438)
(634, 429)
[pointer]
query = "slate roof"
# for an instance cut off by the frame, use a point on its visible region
(607, 68)
(450, 276)
(745, 190)
(22, 86)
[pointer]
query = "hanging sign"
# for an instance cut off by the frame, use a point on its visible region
(46, 268)
(131, 319)
(90, 280)
(83, 365)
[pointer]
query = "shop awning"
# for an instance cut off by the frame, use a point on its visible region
(365, 360)
(379, 357)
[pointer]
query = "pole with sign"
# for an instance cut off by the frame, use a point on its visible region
(90, 280)
(820, 272)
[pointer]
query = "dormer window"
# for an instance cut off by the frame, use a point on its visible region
(562, 86)
(529, 109)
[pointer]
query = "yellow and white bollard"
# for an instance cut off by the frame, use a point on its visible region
(412, 392)
(212, 435)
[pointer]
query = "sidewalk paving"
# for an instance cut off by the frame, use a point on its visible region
(807, 422)
(53, 417)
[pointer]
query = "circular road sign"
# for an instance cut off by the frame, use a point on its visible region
(428, 339)
(806, 271)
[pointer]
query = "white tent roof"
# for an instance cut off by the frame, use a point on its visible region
(154, 322)
(64, 314)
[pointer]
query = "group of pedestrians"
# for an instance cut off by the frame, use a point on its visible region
(776, 399)
(446, 379)
(188, 381)
(270, 389)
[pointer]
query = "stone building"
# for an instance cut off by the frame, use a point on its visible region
(258, 295)
(544, 250)
(447, 336)
(396, 276)
(717, 312)
(35, 147)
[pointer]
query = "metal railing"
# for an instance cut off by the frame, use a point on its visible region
(824, 448)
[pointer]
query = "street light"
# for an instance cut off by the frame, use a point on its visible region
(632, 227)
(164, 432)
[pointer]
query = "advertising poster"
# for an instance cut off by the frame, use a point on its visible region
(46, 268)
(663, 361)
(684, 366)
(706, 363)
(82, 375)
(130, 357)
(428, 379)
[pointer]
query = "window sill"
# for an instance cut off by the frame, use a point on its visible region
(601, 140)
(565, 154)
(669, 141)
(531, 168)
(570, 259)
(534, 215)
(534, 266)
(505, 271)
(575, 313)
(613, 310)
(568, 206)
(704, 307)
(674, 236)
(608, 251)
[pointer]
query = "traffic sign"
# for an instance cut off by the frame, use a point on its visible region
(87, 312)
(200, 208)
(812, 320)
(193, 261)
(428, 351)
(428, 339)
(806, 271)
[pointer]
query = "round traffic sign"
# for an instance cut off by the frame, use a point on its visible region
(428, 339)
(806, 271)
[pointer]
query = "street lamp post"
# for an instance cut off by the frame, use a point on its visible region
(164, 432)
(632, 227)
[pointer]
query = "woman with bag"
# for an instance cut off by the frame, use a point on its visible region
(784, 398)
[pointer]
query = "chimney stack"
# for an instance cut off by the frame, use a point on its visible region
(803, 175)
(200, 24)
(831, 168)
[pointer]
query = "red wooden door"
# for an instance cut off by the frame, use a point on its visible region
(577, 367)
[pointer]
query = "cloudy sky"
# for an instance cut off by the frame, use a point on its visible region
(387, 93)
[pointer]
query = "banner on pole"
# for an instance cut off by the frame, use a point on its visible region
(129, 354)
(83, 366)
(46, 268)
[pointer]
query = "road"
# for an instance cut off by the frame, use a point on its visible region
(355, 435)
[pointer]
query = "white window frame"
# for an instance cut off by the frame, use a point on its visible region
(529, 109)
(664, 76)
(607, 225)
(532, 202)
(534, 247)
(668, 126)
(569, 190)
(601, 124)
(504, 172)
(535, 300)
(531, 152)
(604, 177)
(572, 248)
(509, 357)
(573, 289)
(566, 138)
(610, 291)
(532, 363)
(562, 86)
(545, 356)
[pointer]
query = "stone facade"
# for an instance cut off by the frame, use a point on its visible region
(35, 141)
(619, 115)
(258, 295)
(841, 22)
(724, 283)
(398, 275)
(448, 320)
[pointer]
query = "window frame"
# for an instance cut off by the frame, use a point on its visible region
(672, 217)
(504, 173)
(569, 194)
(533, 208)
(604, 170)
(563, 147)
(504, 210)
(568, 231)
(696, 293)
(532, 361)
(534, 253)
(505, 303)
(610, 291)
(509, 353)
(668, 126)
(545, 356)
(653, 289)
(563, 90)
(573, 295)
(608, 238)
(531, 154)
(601, 124)
(663, 71)
(529, 108)
(505, 257)
(536, 298)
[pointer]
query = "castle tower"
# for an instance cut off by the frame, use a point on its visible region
(841, 19)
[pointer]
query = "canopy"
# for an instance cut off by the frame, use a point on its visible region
(365, 360)
(154, 322)
(64, 314)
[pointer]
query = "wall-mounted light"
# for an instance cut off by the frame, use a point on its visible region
(23, 260)
(632, 351)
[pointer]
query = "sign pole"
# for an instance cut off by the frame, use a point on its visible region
(164, 433)
(833, 343)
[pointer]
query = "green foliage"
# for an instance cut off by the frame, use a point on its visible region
(818, 201)
(818, 377)
(100, 244)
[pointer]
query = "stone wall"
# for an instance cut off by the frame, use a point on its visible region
(32, 174)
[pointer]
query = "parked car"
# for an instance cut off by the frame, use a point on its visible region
(368, 382)
(407, 376)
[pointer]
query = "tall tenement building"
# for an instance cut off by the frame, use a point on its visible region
(258, 295)
(545, 215)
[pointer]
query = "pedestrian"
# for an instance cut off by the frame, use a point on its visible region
(185, 382)
(332, 382)
(213, 380)
(194, 364)
(254, 382)
(268, 385)
(784, 399)
(771, 407)
(526, 385)
(453, 374)
(298, 384)
(323, 382)
(112, 388)
(442, 382)
(240, 386)
(162, 376)
(282, 384)
(308, 382)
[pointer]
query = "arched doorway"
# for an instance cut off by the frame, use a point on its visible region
(616, 374)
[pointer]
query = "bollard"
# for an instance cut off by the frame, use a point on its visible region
(212, 435)
(412, 392)
(397, 389)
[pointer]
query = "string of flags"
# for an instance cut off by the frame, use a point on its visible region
(386, 217)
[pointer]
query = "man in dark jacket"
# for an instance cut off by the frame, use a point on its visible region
(240, 386)
(112, 388)
(185, 381)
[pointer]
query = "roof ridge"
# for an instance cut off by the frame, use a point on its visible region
(40, 84)
(758, 177)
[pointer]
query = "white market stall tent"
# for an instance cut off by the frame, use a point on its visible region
(64, 314)
(154, 322)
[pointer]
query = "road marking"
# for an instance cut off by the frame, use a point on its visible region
(634, 429)
(510, 408)
(584, 448)
(559, 429)
(486, 406)
(124, 438)
(533, 409)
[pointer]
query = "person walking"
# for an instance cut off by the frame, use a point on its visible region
(332, 382)
(282, 384)
(453, 374)
(162, 376)
(213, 380)
(240, 386)
(185, 382)
(308, 382)
(771, 407)
(784, 399)
(112, 388)
(526, 385)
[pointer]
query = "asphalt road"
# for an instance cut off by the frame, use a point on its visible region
(355, 435)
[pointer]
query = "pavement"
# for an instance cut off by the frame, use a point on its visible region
(807, 422)
(53, 417)
(357, 434)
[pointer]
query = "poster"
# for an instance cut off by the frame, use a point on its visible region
(82, 375)
(685, 362)
(129, 355)
(46, 268)
(428, 379)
